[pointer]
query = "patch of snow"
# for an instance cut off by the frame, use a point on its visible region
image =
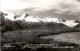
(70, 24)
(10, 16)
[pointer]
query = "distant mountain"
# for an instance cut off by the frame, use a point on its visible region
(31, 21)
(57, 13)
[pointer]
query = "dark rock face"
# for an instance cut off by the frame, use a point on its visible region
(17, 25)
(25, 31)
(20, 31)
(29, 30)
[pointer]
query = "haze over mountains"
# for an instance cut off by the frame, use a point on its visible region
(69, 9)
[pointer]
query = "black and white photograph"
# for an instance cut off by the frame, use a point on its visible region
(39, 25)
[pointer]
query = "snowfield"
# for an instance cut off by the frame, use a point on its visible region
(13, 17)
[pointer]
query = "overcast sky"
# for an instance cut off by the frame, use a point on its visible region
(62, 8)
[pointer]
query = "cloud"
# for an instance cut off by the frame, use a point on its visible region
(33, 6)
